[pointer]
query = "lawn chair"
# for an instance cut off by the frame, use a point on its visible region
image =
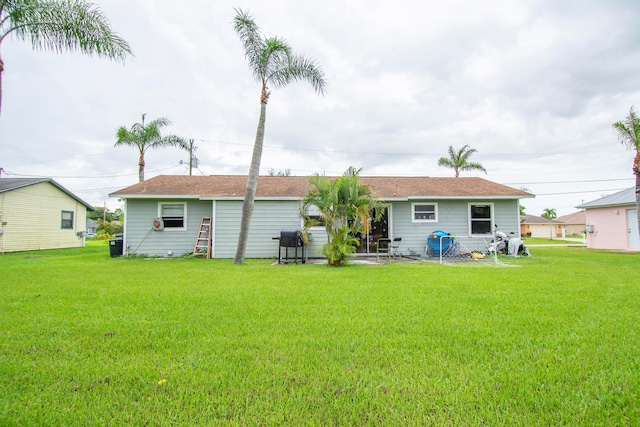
(395, 245)
(384, 247)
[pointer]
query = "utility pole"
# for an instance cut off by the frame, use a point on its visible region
(191, 150)
(190, 156)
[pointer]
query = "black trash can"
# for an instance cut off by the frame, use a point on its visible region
(116, 246)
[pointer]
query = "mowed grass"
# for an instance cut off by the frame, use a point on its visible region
(548, 340)
(556, 241)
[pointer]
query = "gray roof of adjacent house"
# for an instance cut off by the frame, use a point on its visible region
(92, 223)
(621, 198)
(532, 219)
(386, 188)
(11, 184)
(579, 218)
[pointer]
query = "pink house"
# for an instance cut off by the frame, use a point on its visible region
(612, 221)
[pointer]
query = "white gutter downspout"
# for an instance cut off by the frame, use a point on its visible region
(213, 230)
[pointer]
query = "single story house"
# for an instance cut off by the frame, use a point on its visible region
(39, 213)
(573, 224)
(536, 226)
(92, 227)
(163, 215)
(612, 221)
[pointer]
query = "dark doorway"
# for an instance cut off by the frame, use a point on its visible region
(377, 229)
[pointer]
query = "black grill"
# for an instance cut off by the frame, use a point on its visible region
(290, 239)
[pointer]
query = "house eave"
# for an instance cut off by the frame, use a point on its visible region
(51, 181)
(153, 196)
(611, 205)
(296, 198)
(241, 198)
(485, 197)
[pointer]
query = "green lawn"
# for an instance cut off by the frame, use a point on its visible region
(556, 241)
(86, 339)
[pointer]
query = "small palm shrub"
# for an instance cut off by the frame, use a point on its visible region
(340, 247)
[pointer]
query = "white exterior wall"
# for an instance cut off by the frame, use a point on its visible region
(33, 216)
(546, 231)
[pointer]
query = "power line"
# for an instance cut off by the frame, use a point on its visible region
(580, 192)
(88, 177)
(568, 182)
(395, 153)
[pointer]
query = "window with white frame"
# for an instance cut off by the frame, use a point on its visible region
(173, 215)
(314, 214)
(481, 219)
(67, 220)
(424, 212)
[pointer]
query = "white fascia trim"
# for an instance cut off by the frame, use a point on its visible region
(154, 196)
(393, 199)
(469, 197)
(241, 198)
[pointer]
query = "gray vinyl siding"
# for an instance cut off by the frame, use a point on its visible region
(318, 237)
(141, 239)
(268, 219)
(453, 217)
(271, 217)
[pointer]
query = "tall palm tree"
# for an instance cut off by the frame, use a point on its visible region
(550, 214)
(459, 160)
(60, 25)
(273, 63)
(148, 136)
(628, 131)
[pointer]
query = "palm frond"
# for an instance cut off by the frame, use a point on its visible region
(473, 166)
(443, 161)
(249, 34)
(305, 69)
(72, 25)
(272, 61)
(628, 131)
(458, 160)
(275, 55)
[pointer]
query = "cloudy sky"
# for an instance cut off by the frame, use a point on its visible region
(534, 86)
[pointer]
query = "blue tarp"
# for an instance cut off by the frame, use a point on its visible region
(434, 242)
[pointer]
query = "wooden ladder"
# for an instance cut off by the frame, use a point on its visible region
(203, 241)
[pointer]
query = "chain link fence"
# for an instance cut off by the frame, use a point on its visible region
(444, 248)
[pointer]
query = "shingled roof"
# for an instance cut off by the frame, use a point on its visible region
(532, 219)
(384, 187)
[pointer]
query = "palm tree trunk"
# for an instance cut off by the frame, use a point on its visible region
(638, 195)
(252, 185)
(1, 71)
(141, 166)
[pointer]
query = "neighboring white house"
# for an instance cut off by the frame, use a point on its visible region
(92, 227)
(563, 226)
(536, 226)
(612, 221)
(39, 213)
(163, 214)
(573, 224)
